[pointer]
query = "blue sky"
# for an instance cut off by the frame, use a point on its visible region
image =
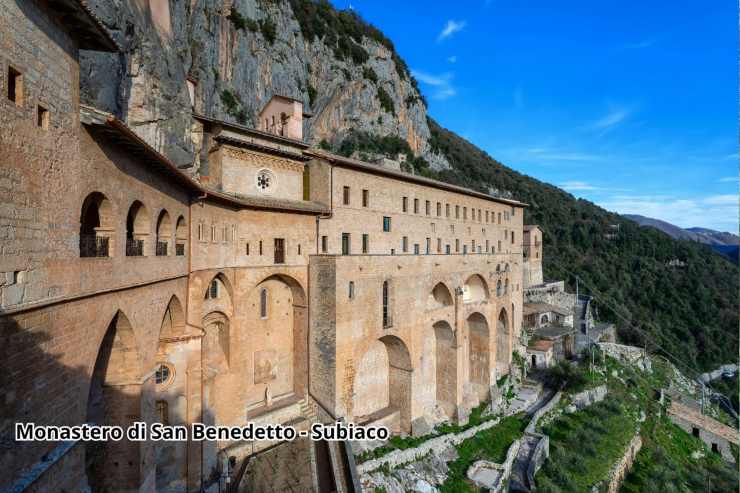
(630, 104)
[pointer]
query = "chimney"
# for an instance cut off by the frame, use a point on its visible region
(283, 116)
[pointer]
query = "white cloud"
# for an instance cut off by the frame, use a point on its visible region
(577, 186)
(441, 85)
(611, 119)
(713, 211)
(450, 28)
(729, 179)
(452, 59)
(553, 154)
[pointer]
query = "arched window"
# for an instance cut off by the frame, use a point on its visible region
(263, 303)
(96, 226)
(498, 288)
(164, 232)
(506, 286)
(387, 320)
(214, 290)
(181, 236)
(137, 229)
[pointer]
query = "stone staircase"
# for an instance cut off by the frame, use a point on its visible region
(518, 481)
(308, 410)
(526, 396)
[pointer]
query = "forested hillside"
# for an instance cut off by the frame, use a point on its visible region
(692, 311)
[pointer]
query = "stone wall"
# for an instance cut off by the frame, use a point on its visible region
(619, 470)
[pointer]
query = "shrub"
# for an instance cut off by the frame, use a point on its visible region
(369, 74)
(268, 30)
(386, 102)
(311, 95)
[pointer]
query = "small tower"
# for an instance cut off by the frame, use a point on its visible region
(282, 116)
(532, 255)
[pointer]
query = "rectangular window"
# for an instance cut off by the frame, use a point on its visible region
(260, 248)
(299, 249)
(447, 249)
(465, 213)
(457, 212)
(512, 237)
(429, 246)
(15, 86)
(428, 208)
(345, 243)
(473, 245)
(499, 246)
(324, 244)
(405, 204)
(246, 249)
(213, 233)
(201, 235)
(434, 228)
(513, 211)
(439, 209)
(439, 245)
(365, 198)
(416, 206)
(472, 214)
(405, 244)
(447, 210)
(486, 216)
(42, 117)
(279, 250)
(416, 249)
(465, 249)
(386, 224)
(457, 246)
(499, 218)
(488, 246)
(351, 293)
(479, 215)
(365, 243)
(345, 196)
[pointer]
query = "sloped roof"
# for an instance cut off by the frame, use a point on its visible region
(541, 345)
(338, 160)
(530, 308)
(116, 130)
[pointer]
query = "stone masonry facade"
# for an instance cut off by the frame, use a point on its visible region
(279, 280)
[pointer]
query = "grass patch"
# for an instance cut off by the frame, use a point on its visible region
(490, 444)
(584, 446)
(402, 443)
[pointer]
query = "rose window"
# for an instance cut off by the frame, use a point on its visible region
(265, 181)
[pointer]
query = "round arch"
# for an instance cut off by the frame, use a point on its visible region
(97, 226)
(163, 233)
(445, 367)
(138, 227)
(114, 398)
(475, 289)
(479, 353)
(503, 340)
(440, 296)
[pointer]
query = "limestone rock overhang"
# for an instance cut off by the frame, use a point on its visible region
(110, 127)
(83, 25)
(346, 162)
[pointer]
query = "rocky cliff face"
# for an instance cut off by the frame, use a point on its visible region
(240, 53)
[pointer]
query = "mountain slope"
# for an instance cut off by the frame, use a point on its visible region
(363, 97)
(727, 244)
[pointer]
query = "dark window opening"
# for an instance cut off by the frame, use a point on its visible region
(42, 117)
(15, 86)
(345, 244)
(279, 251)
(387, 322)
(365, 198)
(345, 196)
(386, 224)
(263, 303)
(365, 243)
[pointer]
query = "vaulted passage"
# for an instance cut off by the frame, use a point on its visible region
(383, 382)
(114, 398)
(479, 354)
(445, 368)
(96, 226)
(503, 353)
(440, 296)
(176, 354)
(475, 290)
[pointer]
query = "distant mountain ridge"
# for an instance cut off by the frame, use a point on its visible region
(723, 242)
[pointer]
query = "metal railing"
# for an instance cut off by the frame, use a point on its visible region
(161, 249)
(134, 248)
(94, 246)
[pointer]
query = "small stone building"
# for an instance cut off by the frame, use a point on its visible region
(540, 354)
(716, 435)
(538, 315)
